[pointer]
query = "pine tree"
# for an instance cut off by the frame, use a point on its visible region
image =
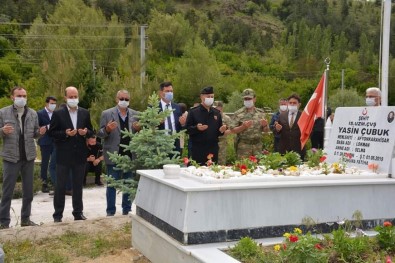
(151, 147)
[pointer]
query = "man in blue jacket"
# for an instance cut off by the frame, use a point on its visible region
(48, 153)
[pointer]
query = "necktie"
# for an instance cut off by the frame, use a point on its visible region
(169, 120)
(291, 123)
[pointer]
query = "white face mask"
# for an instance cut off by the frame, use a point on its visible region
(51, 107)
(72, 103)
(123, 104)
(370, 101)
(292, 108)
(283, 107)
(208, 101)
(20, 102)
(249, 104)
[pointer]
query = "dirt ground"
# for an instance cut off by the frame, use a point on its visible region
(90, 226)
(94, 209)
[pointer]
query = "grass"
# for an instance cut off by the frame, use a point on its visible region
(71, 246)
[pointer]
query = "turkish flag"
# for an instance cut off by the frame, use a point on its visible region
(313, 110)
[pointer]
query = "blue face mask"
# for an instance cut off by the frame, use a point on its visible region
(169, 96)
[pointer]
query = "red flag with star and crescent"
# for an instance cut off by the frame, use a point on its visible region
(313, 110)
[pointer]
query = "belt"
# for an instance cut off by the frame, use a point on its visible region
(252, 141)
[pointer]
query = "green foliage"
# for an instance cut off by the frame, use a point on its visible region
(302, 248)
(314, 157)
(350, 249)
(246, 250)
(386, 236)
(272, 160)
(292, 159)
(345, 98)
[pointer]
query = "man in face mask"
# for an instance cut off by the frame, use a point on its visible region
(287, 127)
(176, 121)
(248, 123)
(112, 122)
(283, 107)
(48, 156)
(204, 126)
(69, 127)
(19, 128)
(373, 97)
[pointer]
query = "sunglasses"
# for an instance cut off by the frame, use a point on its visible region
(123, 99)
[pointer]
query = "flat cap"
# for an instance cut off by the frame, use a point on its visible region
(248, 93)
(207, 90)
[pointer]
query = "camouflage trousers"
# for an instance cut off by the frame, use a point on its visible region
(222, 152)
(245, 150)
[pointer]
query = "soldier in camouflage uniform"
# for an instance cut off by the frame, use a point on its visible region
(223, 139)
(248, 123)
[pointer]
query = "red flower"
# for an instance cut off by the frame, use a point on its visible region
(253, 159)
(387, 224)
(348, 155)
(322, 159)
(293, 238)
(186, 160)
(209, 162)
(284, 246)
(210, 156)
(243, 167)
(318, 246)
(388, 259)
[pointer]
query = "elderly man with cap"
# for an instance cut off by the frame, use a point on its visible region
(373, 96)
(204, 126)
(248, 123)
(223, 142)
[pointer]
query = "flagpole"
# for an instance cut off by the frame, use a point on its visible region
(327, 61)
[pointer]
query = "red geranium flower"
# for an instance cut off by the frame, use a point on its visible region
(348, 155)
(318, 246)
(209, 162)
(387, 224)
(253, 159)
(243, 167)
(186, 160)
(293, 238)
(322, 159)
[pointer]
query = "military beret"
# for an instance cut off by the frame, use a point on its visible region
(207, 90)
(248, 93)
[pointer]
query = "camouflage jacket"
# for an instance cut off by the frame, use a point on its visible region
(254, 133)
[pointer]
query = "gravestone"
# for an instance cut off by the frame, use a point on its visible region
(362, 137)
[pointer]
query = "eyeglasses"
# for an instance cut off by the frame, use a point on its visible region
(123, 99)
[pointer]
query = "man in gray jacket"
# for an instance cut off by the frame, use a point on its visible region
(112, 122)
(19, 127)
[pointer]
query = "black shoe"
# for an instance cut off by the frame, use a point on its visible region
(109, 214)
(3, 227)
(99, 184)
(80, 217)
(28, 222)
(125, 213)
(57, 220)
(45, 188)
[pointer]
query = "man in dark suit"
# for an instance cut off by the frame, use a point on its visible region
(287, 127)
(204, 126)
(46, 144)
(176, 121)
(69, 126)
